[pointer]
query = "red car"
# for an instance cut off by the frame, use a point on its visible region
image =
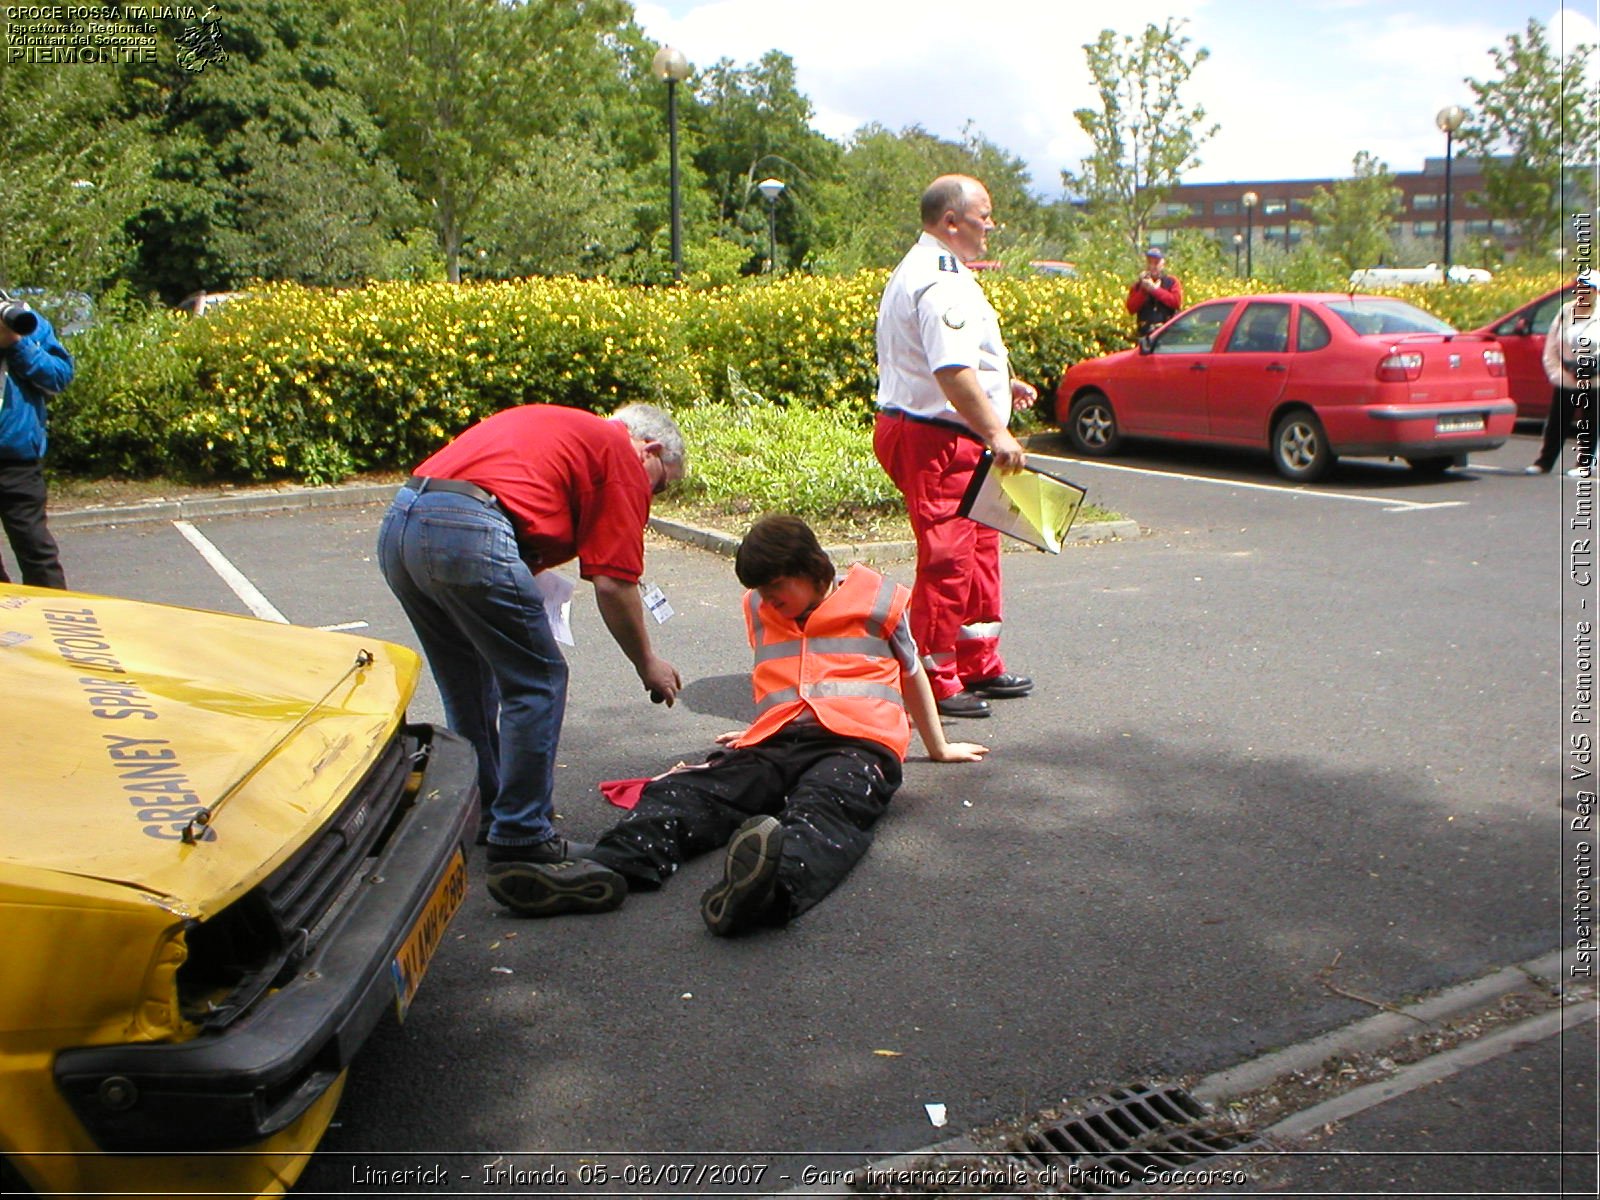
(1308, 377)
(1521, 336)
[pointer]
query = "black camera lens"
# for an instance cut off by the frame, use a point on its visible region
(18, 317)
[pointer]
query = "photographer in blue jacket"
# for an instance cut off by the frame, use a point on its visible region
(34, 366)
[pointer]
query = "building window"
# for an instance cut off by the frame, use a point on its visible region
(1425, 228)
(1274, 208)
(1225, 208)
(1480, 227)
(1299, 207)
(1425, 202)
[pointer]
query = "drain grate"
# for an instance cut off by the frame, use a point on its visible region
(1133, 1138)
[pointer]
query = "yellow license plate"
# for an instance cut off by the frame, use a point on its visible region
(411, 963)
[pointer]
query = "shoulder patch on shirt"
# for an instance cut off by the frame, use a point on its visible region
(947, 262)
(955, 317)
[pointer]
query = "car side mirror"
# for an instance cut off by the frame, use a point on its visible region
(1146, 344)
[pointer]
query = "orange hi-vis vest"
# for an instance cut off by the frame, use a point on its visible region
(840, 666)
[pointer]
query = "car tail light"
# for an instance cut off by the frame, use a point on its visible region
(1495, 359)
(1401, 367)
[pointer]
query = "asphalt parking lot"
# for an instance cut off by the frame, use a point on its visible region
(1293, 752)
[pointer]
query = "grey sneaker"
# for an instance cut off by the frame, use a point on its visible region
(749, 877)
(534, 889)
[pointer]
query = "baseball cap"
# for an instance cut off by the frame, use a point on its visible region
(1154, 252)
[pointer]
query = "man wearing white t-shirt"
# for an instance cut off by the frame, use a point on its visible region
(945, 395)
(1570, 350)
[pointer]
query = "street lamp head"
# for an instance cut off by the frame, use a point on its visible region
(1450, 119)
(1249, 199)
(770, 188)
(670, 65)
(1238, 239)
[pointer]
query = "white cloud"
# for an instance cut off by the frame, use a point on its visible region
(1297, 92)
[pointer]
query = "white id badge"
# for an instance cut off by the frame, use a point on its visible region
(656, 602)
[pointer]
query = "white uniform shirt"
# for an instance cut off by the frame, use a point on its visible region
(1572, 340)
(934, 314)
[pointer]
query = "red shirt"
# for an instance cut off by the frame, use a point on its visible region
(571, 482)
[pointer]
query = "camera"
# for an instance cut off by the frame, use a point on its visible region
(16, 315)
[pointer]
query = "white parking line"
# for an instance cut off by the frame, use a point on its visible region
(1389, 502)
(231, 575)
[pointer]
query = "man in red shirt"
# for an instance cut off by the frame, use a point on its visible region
(461, 546)
(1155, 297)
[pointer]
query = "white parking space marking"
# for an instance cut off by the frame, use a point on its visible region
(231, 575)
(1389, 503)
(344, 627)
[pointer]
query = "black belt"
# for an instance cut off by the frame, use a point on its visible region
(458, 487)
(901, 414)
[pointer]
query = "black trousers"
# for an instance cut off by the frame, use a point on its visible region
(22, 507)
(1570, 409)
(826, 790)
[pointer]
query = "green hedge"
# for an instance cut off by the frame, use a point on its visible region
(310, 384)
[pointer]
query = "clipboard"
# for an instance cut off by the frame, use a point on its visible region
(1037, 505)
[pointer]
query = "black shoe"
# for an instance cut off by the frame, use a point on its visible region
(534, 889)
(551, 850)
(1001, 687)
(749, 878)
(963, 704)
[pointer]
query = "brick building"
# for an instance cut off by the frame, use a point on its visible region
(1282, 214)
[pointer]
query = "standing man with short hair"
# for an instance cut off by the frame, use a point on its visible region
(461, 547)
(945, 395)
(1155, 297)
(34, 366)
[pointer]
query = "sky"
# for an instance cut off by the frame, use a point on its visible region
(1297, 91)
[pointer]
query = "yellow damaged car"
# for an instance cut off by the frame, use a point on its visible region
(226, 856)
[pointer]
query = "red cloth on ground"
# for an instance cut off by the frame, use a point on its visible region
(624, 793)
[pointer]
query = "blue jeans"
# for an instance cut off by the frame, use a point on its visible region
(452, 562)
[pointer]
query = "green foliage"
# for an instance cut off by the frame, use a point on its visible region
(815, 462)
(1354, 218)
(72, 176)
(300, 383)
(1543, 115)
(1144, 136)
(460, 89)
(134, 381)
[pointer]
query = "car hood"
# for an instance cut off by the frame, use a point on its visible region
(127, 720)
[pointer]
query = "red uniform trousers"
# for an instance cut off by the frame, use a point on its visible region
(955, 602)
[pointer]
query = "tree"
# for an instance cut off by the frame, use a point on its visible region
(1355, 217)
(1143, 134)
(234, 141)
(73, 173)
(1529, 128)
(751, 123)
(870, 208)
(461, 89)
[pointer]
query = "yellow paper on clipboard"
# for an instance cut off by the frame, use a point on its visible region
(1037, 505)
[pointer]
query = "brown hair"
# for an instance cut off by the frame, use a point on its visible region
(778, 546)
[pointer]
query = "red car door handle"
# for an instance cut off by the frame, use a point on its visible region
(1199, 366)
(1276, 367)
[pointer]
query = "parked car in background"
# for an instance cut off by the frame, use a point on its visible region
(1379, 277)
(1306, 376)
(1043, 266)
(1521, 337)
(198, 304)
(227, 856)
(68, 312)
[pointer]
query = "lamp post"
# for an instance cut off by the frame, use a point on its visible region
(671, 66)
(1448, 119)
(1238, 244)
(1249, 200)
(771, 189)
